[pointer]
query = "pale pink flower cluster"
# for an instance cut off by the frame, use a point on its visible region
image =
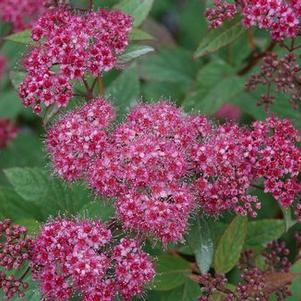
(71, 257)
(21, 13)
(71, 46)
(161, 164)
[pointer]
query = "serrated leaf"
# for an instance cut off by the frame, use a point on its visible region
(171, 272)
(201, 242)
(49, 193)
(220, 37)
(230, 245)
(138, 9)
(134, 52)
(139, 35)
(263, 231)
(23, 37)
(13, 206)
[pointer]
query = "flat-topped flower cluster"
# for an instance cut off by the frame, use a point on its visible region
(280, 17)
(71, 46)
(161, 164)
(73, 257)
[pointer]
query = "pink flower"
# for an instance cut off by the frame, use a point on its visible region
(278, 158)
(71, 257)
(21, 13)
(225, 165)
(162, 212)
(66, 253)
(278, 16)
(133, 268)
(143, 165)
(73, 46)
(78, 137)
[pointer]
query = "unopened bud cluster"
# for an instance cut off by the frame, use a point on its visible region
(15, 250)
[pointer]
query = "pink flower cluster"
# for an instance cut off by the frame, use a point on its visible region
(70, 47)
(72, 256)
(278, 158)
(21, 13)
(78, 137)
(160, 164)
(225, 164)
(15, 250)
(8, 131)
(280, 17)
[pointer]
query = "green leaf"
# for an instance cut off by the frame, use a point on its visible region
(261, 232)
(173, 65)
(27, 144)
(171, 272)
(139, 35)
(295, 287)
(99, 209)
(49, 193)
(10, 104)
(124, 90)
(138, 9)
(201, 242)
(190, 291)
(220, 37)
(50, 112)
(230, 245)
(190, 25)
(134, 52)
(17, 78)
(287, 215)
(23, 37)
(13, 206)
(216, 83)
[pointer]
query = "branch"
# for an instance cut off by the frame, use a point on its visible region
(255, 58)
